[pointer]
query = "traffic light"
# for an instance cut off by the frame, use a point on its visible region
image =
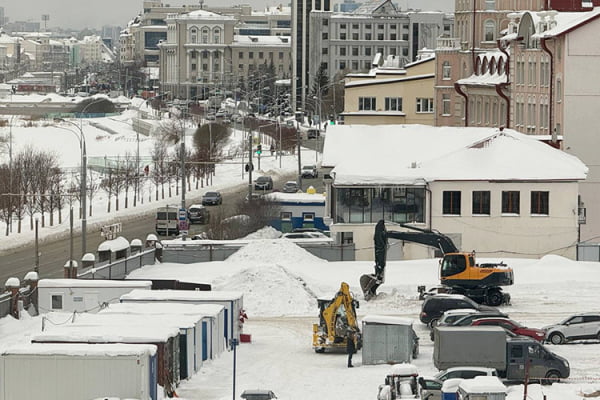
(259, 149)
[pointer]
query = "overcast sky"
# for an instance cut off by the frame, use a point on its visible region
(79, 14)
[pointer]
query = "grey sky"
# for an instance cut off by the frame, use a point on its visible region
(79, 14)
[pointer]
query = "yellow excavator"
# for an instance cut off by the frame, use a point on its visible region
(337, 317)
(459, 272)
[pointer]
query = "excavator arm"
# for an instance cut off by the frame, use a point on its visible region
(426, 237)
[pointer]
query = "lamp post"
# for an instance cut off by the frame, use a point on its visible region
(83, 182)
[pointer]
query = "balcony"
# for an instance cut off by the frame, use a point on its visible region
(448, 43)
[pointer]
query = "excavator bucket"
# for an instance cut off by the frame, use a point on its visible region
(369, 284)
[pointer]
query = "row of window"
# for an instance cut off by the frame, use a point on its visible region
(423, 105)
(261, 55)
(367, 36)
(368, 26)
(357, 51)
(481, 202)
(205, 35)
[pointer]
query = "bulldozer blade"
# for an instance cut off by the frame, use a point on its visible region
(369, 285)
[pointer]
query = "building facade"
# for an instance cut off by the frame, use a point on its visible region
(391, 94)
(526, 70)
(347, 42)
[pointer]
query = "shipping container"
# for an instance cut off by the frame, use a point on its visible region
(78, 371)
(388, 340)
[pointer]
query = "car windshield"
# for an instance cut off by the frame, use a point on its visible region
(262, 179)
(212, 194)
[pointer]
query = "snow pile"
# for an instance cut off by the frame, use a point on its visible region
(270, 290)
(268, 232)
(271, 251)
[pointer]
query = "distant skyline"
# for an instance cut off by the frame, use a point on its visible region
(80, 14)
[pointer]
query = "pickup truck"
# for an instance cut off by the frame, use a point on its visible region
(489, 346)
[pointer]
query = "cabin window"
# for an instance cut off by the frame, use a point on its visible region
(57, 301)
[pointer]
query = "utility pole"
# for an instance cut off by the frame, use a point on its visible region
(299, 158)
(250, 166)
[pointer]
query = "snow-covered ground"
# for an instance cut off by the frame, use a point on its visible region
(281, 282)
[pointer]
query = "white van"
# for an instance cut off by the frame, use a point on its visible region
(167, 222)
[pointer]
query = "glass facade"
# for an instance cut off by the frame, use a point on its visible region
(369, 205)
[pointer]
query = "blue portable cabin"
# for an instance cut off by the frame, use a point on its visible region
(298, 210)
(233, 303)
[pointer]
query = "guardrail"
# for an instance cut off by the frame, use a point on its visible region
(119, 269)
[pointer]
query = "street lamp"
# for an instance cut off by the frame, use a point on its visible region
(83, 181)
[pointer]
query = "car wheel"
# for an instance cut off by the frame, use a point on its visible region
(556, 338)
(551, 377)
(494, 298)
(432, 323)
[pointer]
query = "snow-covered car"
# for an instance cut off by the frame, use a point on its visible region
(290, 187)
(576, 327)
(198, 214)
(431, 386)
(263, 183)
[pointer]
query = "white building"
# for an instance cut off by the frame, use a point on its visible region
(498, 192)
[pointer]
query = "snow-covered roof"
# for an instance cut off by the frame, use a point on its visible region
(387, 320)
(157, 308)
(566, 21)
(114, 245)
(89, 283)
(82, 349)
(451, 385)
(255, 40)
(486, 79)
(151, 332)
(407, 154)
(204, 14)
(483, 384)
(296, 197)
(403, 369)
(181, 295)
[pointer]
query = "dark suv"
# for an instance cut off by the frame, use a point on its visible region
(434, 306)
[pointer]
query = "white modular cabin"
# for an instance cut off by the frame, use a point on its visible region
(232, 301)
(83, 295)
(482, 388)
(206, 327)
(79, 371)
(165, 338)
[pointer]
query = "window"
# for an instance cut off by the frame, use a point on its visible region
(261, 55)
(380, 36)
(451, 203)
(489, 31)
(539, 203)
(342, 26)
(325, 22)
(194, 35)
(286, 216)
(355, 36)
(354, 65)
(481, 202)
(205, 35)
(241, 55)
(193, 66)
(424, 105)
(355, 51)
(366, 103)
(308, 217)
(281, 55)
(217, 36)
(445, 104)
(392, 36)
(446, 70)
(367, 51)
(380, 26)
(490, 4)
(367, 36)
(342, 36)
(510, 202)
(393, 27)
(354, 26)
(325, 51)
(250, 54)
(393, 104)
(342, 65)
(324, 36)
(342, 51)
(57, 301)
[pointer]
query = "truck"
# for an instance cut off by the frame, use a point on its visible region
(516, 358)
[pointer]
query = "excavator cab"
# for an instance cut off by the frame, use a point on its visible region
(453, 264)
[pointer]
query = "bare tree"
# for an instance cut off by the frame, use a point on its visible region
(55, 193)
(159, 173)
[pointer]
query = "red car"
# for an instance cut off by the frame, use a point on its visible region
(512, 326)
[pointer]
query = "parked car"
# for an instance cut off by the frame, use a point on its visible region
(253, 197)
(434, 306)
(198, 214)
(264, 182)
(468, 319)
(576, 327)
(453, 316)
(511, 326)
(304, 235)
(290, 187)
(211, 117)
(310, 171)
(212, 199)
(258, 394)
(431, 386)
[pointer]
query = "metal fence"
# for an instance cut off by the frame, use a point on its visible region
(4, 304)
(119, 269)
(187, 254)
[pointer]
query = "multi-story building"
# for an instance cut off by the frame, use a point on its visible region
(391, 94)
(347, 42)
(46, 54)
(201, 50)
(528, 70)
(301, 11)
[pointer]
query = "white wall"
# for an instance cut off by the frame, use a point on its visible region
(80, 298)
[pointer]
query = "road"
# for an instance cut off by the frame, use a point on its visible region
(55, 253)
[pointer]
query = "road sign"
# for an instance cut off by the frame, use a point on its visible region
(182, 214)
(183, 226)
